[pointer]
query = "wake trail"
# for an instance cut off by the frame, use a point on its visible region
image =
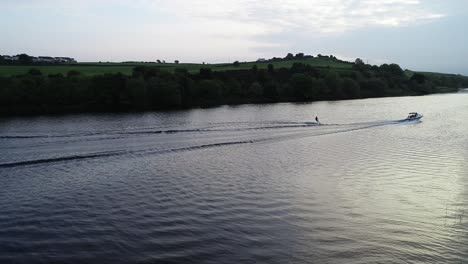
(321, 130)
(119, 153)
(166, 131)
(213, 127)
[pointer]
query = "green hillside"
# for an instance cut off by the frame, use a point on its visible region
(90, 68)
(133, 86)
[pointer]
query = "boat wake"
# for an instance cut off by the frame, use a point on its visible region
(147, 141)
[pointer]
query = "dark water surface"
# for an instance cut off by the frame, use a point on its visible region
(243, 184)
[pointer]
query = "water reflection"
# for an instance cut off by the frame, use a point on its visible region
(252, 183)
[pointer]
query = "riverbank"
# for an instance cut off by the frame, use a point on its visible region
(154, 88)
(97, 110)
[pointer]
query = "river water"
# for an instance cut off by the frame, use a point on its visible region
(239, 184)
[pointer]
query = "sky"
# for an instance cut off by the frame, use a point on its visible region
(423, 35)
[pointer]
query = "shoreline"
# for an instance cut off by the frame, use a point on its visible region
(133, 111)
(154, 89)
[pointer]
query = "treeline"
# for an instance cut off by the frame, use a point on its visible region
(150, 88)
(21, 59)
(298, 56)
(25, 59)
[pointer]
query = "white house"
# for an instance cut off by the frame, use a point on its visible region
(42, 59)
(46, 59)
(10, 58)
(65, 60)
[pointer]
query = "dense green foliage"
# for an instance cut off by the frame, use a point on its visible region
(86, 69)
(148, 88)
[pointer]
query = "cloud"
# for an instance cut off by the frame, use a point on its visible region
(214, 27)
(320, 16)
(246, 17)
(263, 16)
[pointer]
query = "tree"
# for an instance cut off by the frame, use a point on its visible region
(181, 71)
(145, 72)
(360, 66)
(262, 76)
(34, 72)
(255, 68)
(164, 91)
(300, 55)
(236, 64)
(359, 61)
(289, 56)
(208, 91)
(373, 87)
(303, 86)
(392, 71)
(422, 85)
(351, 88)
(176, 61)
(205, 73)
(72, 74)
(108, 89)
(298, 67)
(271, 90)
(418, 78)
(286, 91)
(138, 71)
(256, 89)
(334, 83)
(233, 87)
(24, 59)
(136, 88)
(271, 68)
(55, 76)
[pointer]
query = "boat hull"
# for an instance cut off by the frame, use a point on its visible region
(418, 117)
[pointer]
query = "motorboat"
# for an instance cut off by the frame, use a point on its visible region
(413, 116)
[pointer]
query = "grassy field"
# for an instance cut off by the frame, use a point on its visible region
(430, 74)
(90, 68)
(63, 69)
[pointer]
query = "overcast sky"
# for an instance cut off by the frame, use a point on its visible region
(429, 35)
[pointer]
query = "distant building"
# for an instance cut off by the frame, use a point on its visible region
(10, 58)
(46, 59)
(65, 60)
(42, 59)
(261, 60)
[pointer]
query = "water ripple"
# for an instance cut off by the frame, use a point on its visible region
(248, 184)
